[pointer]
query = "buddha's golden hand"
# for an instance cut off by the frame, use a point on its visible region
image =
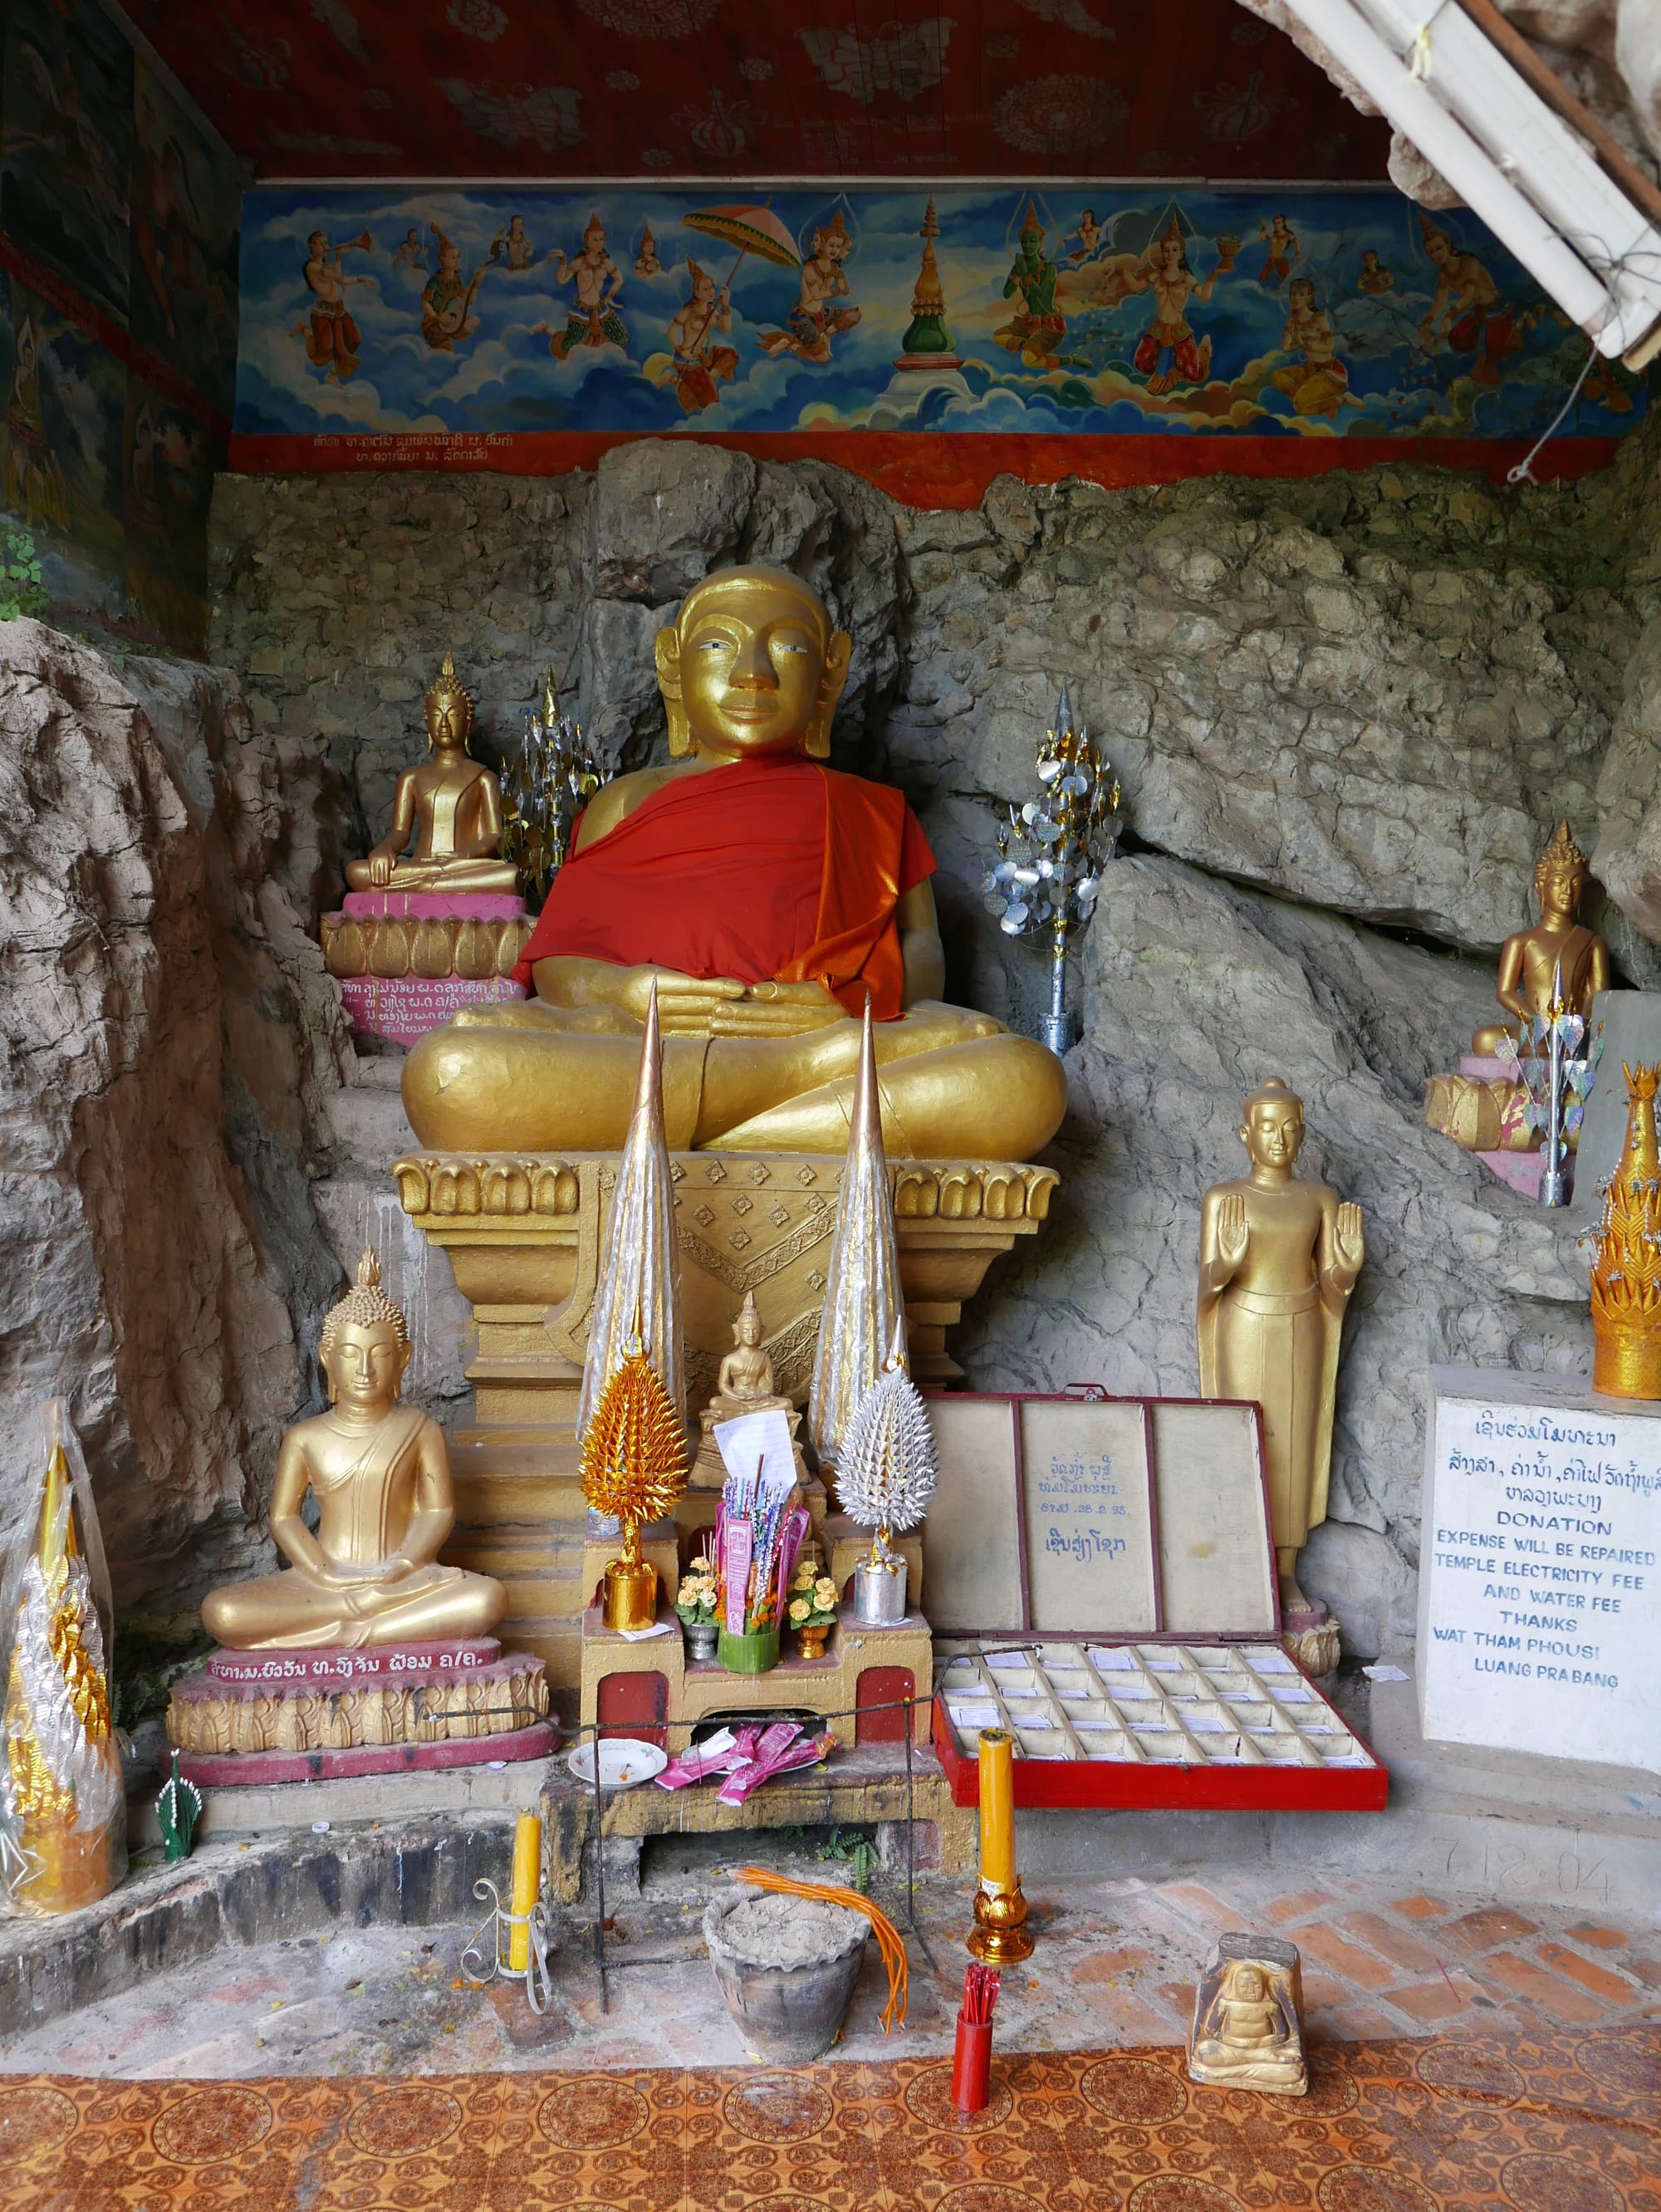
(1233, 1235)
(1348, 1240)
(380, 870)
(777, 1010)
(722, 1006)
(686, 1004)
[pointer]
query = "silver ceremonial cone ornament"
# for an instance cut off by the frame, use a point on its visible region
(863, 1301)
(639, 1285)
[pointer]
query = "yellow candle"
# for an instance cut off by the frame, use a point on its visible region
(527, 1882)
(998, 1858)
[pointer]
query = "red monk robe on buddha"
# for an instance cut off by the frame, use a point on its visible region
(766, 895)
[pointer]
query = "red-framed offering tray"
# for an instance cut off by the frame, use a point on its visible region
(1101, 1574)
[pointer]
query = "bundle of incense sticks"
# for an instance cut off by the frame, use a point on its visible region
(758, 1535)
(980, 1995)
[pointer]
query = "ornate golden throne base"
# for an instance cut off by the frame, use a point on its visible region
(524, 1233)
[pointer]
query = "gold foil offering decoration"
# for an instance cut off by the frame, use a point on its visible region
(62, 1812)
(863, 1307)
(1626, 1273)
(635, 1467)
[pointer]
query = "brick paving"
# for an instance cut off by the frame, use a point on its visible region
(1115, 1965)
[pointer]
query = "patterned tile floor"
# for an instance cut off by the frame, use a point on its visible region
(1115, 1967)
(1549, 2120)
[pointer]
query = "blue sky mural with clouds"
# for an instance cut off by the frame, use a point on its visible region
(1168, 309)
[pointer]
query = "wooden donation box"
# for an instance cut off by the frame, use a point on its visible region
(1101, 1582)
(1540, 1564)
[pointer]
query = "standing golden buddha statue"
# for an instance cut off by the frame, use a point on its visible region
(427, 930)
(1278, 1260)
(766, 895)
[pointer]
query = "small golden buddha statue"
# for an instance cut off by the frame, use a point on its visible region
(1278, 1260)
(451, 802)
(767, 895)
(1246, 2034)
(744, 1378)
(381, 1474)
(1531, 961)
(744, 1383)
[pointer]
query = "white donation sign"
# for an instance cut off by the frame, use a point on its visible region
(1540, 1568)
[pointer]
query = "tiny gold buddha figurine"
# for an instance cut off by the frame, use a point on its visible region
(451, 803)
(381, 1474)
(1532, 961)
(1278, 1260)
(744, 1383)
(1247, 2030)
(767, 894)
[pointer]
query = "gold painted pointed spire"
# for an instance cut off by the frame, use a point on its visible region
(640, 1283)
(862, 1303)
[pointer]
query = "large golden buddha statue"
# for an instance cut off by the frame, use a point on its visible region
(451, 803)
(767, 894)
(381, 1474)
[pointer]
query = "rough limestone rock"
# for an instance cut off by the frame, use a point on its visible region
(1196, 991)
(164, 1024)
(337, 601)
(1361, 715)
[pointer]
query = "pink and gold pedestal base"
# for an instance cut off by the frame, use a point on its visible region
(1484, 1111)
(406, 961)
(254, 1717)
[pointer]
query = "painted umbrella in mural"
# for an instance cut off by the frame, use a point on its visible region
(752, 230)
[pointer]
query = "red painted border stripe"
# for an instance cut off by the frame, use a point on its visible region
(51, 288)
(923, 468)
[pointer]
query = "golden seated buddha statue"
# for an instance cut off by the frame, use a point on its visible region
(380, 1474)
(451, 803)
(1532, 961)
(766, 895)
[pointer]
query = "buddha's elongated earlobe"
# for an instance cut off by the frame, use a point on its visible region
(816, 737)
(668, 651)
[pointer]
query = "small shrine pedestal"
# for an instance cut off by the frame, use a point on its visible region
(1483, 1109)
(406, 961)
(265, 1716)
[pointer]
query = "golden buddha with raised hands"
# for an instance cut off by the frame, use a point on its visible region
(380, 1474)
(1278, 1260)
(1532, 961)
(452, 805)
(767, 895)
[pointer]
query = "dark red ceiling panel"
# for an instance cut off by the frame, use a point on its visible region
(602, 88)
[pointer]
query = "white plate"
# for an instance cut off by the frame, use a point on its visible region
(623, 1762)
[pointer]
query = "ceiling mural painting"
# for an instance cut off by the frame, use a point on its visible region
(483, 328)
(761, 89)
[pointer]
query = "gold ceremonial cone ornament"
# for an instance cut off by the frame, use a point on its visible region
(862, 1305)
(1626, 1273)
(634, 1442)
(63, 1810)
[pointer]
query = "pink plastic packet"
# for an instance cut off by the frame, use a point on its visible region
(784, 1758)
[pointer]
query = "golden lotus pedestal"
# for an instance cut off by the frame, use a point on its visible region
(525, 1235)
